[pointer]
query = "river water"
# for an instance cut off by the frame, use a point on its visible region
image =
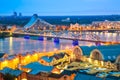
(15, 45)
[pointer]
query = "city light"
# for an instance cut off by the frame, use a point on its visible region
(67, 47)
(59, 47)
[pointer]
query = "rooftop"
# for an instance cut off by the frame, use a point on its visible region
(36, 68)
(11, 71)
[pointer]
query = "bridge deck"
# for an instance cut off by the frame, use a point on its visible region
(67, 38)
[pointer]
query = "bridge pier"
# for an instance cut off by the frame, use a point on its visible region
(41, 38)
(49, 38)
(75, 42)
(56, 40)
(26, 37)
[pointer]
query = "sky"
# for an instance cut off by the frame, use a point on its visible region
(60, 7)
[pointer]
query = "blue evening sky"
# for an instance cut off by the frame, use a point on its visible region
(60, 7)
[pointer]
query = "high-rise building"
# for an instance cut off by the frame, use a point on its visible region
(20, 14)
(14, 14)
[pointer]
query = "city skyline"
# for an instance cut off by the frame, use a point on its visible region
(59, 40)
(61, 7)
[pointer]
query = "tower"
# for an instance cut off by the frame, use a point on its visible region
(20, 14)
(14, 14)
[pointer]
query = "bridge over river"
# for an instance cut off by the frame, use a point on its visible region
(65, 35)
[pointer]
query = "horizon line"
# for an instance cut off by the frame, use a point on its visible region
(67, 15)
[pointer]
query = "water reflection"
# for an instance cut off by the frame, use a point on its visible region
(11, 45)
(1, 45)
(20, 45)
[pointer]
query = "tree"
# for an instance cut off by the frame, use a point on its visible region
(9, 77)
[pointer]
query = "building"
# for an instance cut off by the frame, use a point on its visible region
(20, 14)
(14, 14)
(18, 74)
(38, 66)
(106, 24)
(42, 72)
(60, 60)
(85, 76)
(106, 56)
(45, 60)
(38, 71)
(36, 24)
(75, 27)
(11, 28)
